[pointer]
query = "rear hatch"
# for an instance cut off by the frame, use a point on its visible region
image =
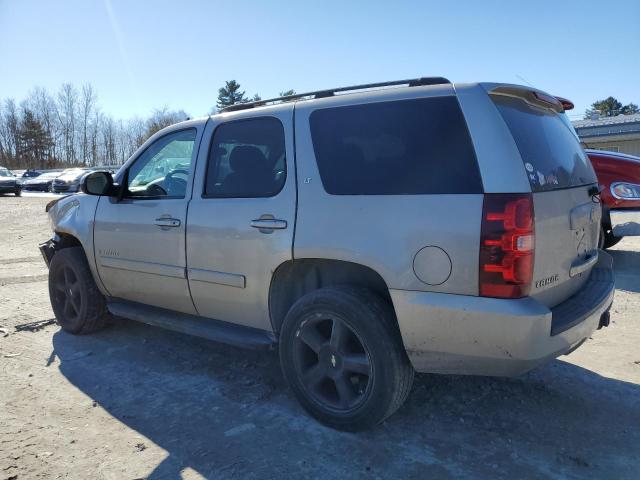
(563, 184)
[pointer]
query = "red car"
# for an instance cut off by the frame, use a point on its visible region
(619, 175)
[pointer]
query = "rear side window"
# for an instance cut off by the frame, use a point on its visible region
(392, 148)
(246, 159)
(549, 148)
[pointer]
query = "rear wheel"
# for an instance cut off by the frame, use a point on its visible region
(18, 192)
(77, 303)
(343, 357)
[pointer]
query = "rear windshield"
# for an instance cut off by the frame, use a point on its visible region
(549, 148)
(406, 147)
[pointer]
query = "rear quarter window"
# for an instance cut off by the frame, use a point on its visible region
(548, 145)
(405, 147)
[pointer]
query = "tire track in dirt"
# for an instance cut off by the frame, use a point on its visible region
(7, 261)
(26, 279)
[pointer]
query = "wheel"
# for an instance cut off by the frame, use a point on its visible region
(76, 301)
(343, 357)
(18, 192)
(607, 239)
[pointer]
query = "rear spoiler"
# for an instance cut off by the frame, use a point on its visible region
(533, 97)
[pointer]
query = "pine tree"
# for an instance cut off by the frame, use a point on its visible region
(230, 94)
(34, 141)
(287, 93)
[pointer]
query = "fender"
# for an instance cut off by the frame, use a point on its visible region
(74, 216)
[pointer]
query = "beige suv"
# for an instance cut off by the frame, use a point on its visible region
(368, 232)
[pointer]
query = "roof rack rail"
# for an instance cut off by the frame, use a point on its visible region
(412, 82)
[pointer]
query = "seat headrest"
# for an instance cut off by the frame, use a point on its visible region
(246, 158)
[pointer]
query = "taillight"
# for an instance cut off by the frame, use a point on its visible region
(507, 245)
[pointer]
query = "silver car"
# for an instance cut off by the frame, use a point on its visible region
(368, 232)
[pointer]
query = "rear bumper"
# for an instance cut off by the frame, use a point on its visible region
(625, 223)
(459, 334)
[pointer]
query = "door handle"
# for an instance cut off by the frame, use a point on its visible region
(583, 265)
(167, 222)
(267, 225)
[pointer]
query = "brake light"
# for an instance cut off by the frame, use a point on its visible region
(566, 104)
(507, 244)
(543, 97)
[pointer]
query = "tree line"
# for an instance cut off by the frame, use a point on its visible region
(69, 129)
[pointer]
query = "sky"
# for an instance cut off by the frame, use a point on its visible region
(142, 55)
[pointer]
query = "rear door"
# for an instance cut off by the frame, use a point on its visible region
(563, 182)
(242, 216)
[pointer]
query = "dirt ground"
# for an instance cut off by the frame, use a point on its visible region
(135, 402)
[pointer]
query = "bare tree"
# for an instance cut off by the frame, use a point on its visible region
(44, 109)
(88, 100)
(66, 113)
(69, 129)
(9, 132)
(164, 117)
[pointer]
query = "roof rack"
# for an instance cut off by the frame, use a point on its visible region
(412, 82)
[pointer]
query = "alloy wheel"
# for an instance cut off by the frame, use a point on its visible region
(332, 363)
(67, 294)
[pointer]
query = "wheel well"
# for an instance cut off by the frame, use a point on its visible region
(65, 240)
(294, 279)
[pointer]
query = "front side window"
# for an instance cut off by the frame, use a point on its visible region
(164, 167)
(246, 159)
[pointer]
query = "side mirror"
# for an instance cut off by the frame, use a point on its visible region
(97, 183)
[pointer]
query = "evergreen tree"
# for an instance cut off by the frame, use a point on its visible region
(230, 94)
(287, 93)
(34, 141)
(610, 107)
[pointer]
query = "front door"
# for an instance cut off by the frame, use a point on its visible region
(140, 239)
(241, 218)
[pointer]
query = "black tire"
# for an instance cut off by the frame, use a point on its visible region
(358, 382)
(18, 192)
(77, 303)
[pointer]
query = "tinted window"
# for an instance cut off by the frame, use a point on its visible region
(246, 159)
(549, 147)
(163, 168)
(392, 148)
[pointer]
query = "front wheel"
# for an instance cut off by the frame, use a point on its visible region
(77, 303)
(342, 355)
(18, 192)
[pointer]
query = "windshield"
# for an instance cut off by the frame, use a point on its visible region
(548, 145)
(44, 176)
(71, 174)
(5, 173)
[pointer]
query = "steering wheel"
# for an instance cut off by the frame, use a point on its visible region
(176, 185)
(155, 190)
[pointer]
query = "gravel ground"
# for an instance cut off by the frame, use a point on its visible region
(134, 401)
